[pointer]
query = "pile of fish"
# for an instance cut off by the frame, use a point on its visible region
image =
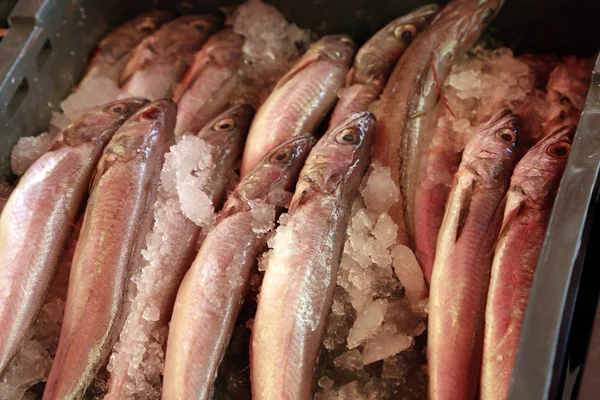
(231, 206)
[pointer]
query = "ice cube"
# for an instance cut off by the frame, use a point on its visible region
(367, 323)
(385, 230)
(409, 272)
(27, 150)
(385, 344)
(380, 191)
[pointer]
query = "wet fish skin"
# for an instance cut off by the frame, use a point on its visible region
(375, 59)
(463, 259)
(300, 278)
(225, 134)
(301, 98)
(161, 59)
(114, 50)
(205, 90)
(213, 290)
(438, 165)
(411, 95)
(115, 225)
(529, 203)
(39, 215)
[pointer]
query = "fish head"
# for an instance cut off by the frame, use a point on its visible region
(341, 152)
(150, 126)
(377, 56)
(227, 131)
(99, 123)
(539, 172)
(125, 37)
(495, 149)
(337, 48)
(277, 171)
(188, 31)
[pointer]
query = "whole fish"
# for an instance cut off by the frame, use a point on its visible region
(116, 222)
(529, 202)
(463, 258)
(301, 99)
(412, 93)
(39, 215)
(297, 290)
(375, 59)
(205, 89)
(161, 59)
(168, 261)
(114, 50)
(212, 293)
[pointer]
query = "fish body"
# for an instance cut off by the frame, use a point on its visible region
(375, 59)
(302, 97)
(297, 290)
(114, 50)
(213, 290)
(438, 166)
(205, 89)
(162, 273)
(108, 252)
(39, 215)
(463, 258)
(161, 59)
(528, 206)
(412, 93)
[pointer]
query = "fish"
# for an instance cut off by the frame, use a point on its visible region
(169, 261)
(411, 94)
(301, 98)
(375, 59)
(438, 166)
(206, 88)
(160, 61)
(212, 293)
(115, 224)
(114, 50)
(533, 187)
(301, 272)
(38, 218)
(463, 259)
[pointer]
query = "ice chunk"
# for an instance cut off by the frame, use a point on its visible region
(385, 344)
(27, 150)
(380, 191)
(409, 272)
(350, 360)
(30, 367)
(367, 323)
(151, 314)
(385, 230)
(96, 91)
(271, 47)
(326, 383)
(350, 391)
(263, 217)
(186, 171)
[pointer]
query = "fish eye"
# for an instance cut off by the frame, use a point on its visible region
(283, 156)
(405, 33)
(507, 135)
(226, 124)
(559, 150)
(150, 114)
(146, 26)
(199, 25)
(349, 136)
(119, 108)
